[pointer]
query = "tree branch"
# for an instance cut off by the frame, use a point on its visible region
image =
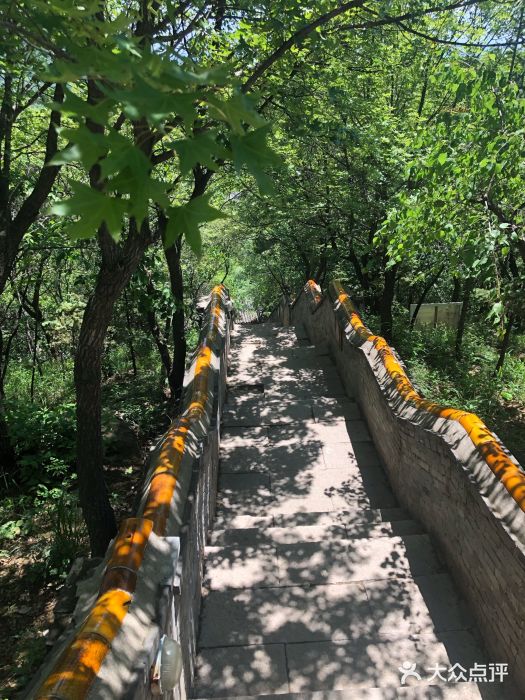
(302, 33)
(451, 42)
(296, 38)
(34, 40)
(388, 19)
(20, 108)
(31, 207)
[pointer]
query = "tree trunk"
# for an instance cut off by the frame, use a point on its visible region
(112, 279)
(94, 499)
(173, 253)
(35, 361)
(160, 341)
(360, 274)
(14, 227)
(387, 300)
(456, 292)
(129, 328)
(178, 363)
(505, 344)
(469, 286)
(431, 282)
(410, 297)
(423, 95)
(8, 462)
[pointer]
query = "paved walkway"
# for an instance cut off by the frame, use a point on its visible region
(315, 579)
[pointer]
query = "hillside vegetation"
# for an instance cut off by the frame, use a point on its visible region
(149, 150)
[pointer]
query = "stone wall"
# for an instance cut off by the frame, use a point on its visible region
(441, 478)
(149, 583)
(281, 313)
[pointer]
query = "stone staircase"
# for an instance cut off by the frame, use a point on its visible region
(317, 584)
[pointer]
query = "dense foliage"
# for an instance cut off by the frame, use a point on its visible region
(151, 149)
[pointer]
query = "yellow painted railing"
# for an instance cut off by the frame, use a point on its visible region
(78, 665)
(315, 292)
(489, 447)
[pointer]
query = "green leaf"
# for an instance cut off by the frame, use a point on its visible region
(94, 208)
(156, 105)
(497, 311)
(442, 157)
(129, 44)
(186, 220)
(124, 154)
(237, 109)
(251, 150)
(62, 71)
(129, 171)
(75, 106)
(218, 75)
(140, 190)
(201, 149)
(86, 147)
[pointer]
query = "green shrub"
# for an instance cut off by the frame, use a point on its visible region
(44, 439)
(69, 535)
(469, 383)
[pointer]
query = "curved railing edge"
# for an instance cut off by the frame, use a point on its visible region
(314, 294)
(76, 668)
(484, 440)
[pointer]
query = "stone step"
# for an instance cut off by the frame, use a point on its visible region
(255, 536)
(280, 352)
(291, 390)
(281, 488)
(316, 586)
(456, 691)
(314, 563)
(299, 614)
(283, 383)
(249, 449)
(312, 533)
(290, 359)
(253, 457)
(355, 520)
(243, 437)
(347, 432)
(253, 409)
(367, 662)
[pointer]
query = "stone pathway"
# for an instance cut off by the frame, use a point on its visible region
(318, 586)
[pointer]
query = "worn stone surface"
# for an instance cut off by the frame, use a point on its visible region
(371, 662)
(457, 691)
(438, 474)
(158, 604)
(224, 672)
(318, 585)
